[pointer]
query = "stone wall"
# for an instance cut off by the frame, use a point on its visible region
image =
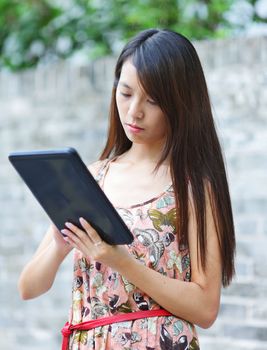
(65, 105)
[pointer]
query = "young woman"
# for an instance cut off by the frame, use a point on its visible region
(163, 170)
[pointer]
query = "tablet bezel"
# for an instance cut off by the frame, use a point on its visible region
(23, 161)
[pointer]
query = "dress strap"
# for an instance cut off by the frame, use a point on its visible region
(103, 321)
(102, 170)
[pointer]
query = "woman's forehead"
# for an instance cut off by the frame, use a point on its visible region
(129, 76)
(128, 69)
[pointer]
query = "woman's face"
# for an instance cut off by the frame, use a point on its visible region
(142, 119)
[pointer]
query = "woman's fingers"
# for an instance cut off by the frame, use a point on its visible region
(88, 241)
(82, 238)
(72, 238)
(93, 235)
(75, 236)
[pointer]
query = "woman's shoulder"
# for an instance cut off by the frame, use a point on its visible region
(96, 167)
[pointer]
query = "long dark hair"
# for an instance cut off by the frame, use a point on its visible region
(170, 72)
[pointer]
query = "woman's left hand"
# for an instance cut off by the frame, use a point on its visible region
(91, 245)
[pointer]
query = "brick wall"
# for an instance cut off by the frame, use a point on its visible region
(65, 105)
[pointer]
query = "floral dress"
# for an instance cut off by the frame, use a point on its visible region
(98, 291)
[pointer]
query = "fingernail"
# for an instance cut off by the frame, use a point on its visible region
(68, 224)
(64, 231)
(66, 239)
(82, 219)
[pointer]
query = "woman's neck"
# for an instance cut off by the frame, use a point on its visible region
(139, 153)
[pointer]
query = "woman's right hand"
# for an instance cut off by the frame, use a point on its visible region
(39, 273)
(60, 240)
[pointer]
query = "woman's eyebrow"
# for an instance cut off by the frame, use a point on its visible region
(124, 85)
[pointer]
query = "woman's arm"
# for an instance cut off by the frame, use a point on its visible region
(196, 301)
(38, 275)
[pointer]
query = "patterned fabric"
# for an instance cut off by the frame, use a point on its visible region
(98, 291)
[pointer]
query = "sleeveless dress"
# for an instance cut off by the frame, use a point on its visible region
(98, 291)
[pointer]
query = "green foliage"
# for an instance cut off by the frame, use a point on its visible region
(23, 24)
(38, 30)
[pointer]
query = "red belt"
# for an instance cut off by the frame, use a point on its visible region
(103, 321)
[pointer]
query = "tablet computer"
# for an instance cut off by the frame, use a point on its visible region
(66, 190)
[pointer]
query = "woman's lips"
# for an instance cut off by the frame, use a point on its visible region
(134, 128)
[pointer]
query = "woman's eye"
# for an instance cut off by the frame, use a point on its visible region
(125, 94)
(152, 102)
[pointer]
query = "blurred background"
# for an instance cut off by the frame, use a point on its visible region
(56, 72)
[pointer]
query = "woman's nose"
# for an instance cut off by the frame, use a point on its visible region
(136, 109)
